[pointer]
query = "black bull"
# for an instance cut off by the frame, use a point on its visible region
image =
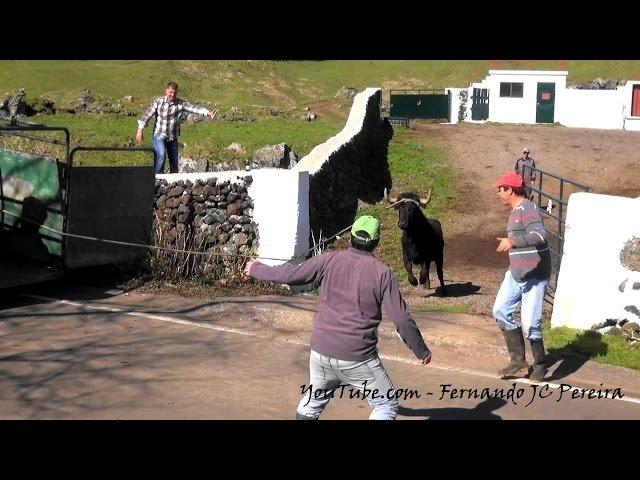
(422, 240)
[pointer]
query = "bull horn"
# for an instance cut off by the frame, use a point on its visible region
(425, 201)
(389, 198)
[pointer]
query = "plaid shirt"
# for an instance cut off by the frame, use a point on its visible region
(168, 116)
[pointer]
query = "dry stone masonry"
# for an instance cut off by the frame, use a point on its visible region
(207, 215)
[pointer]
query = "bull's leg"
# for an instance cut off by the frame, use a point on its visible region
(424, 274)
(443, 289)
(408, 264)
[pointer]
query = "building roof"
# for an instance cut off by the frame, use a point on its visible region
(529, 72)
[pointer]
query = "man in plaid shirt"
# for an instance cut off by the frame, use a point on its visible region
(168, 111)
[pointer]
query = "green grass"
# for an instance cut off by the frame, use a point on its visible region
(607, 349)
(444, 307)
(203, 140)
(271, 83)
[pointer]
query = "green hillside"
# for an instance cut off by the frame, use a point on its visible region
(273, 83)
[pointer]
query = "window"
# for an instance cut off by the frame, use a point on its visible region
(635, 101)
(508, 89)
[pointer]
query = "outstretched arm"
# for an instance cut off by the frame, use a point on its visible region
(142, 122)
(301, 274)
(200, 110)
(396, 309)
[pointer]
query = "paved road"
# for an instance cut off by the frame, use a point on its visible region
(83, 354)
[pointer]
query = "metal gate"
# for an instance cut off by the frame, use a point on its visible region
(480, 104)
(114, 203)
(551, 194)
(424, 104)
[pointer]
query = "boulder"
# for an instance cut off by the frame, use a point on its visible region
(274, 156)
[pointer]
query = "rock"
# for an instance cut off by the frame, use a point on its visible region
(192, 118)
(230, 249)
(130, 143)
(175, 192)
(235, 147)
(232, 209)
(160, 202)
(189, 165)
(235, 114)
(346, 92)
(240, 239)
(274, 156)
(48, 107)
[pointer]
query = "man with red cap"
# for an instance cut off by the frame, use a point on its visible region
(525, 281)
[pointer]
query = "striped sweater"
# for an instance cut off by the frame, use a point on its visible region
(530, 258)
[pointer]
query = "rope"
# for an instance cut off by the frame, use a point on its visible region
(177, 250)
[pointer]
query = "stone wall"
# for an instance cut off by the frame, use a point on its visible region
(348, 167)
(264, 212)
(205, 215)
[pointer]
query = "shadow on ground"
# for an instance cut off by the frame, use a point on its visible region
(457, 290)
(482, 411)
(572, 356)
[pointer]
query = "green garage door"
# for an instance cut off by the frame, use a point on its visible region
(419, 104)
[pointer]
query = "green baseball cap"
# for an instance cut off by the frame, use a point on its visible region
(369, 224)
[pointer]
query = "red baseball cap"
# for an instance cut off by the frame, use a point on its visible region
(511, 179)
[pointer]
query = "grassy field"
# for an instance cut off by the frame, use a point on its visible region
(202, 140)
(270, 83)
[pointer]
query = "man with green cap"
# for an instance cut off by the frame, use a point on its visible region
(354, 286)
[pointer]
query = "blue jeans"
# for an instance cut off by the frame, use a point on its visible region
(531, 293)
(327, 374)
(159, 148)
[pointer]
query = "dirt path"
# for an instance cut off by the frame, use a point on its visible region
(606, 161)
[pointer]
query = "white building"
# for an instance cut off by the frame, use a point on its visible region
(539, 96)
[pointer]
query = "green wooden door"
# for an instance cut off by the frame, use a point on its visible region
(480, 104)
(545, 102)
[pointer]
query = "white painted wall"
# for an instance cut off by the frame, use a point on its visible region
(592, 109)
(597, 228)
(354, 125)
(281, 208)
(521, 110)
(455, 103)
(603, 109)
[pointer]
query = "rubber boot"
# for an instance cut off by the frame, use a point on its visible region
(539, 369)
(299, 416)
(515, 345)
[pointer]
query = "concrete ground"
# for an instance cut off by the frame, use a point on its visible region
(83, 353)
